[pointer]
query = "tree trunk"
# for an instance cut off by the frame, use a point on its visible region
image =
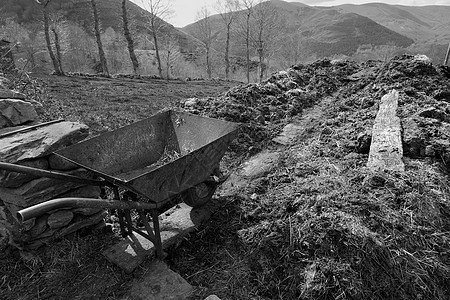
(48, 42)
(101, 53)
(261, 67)
(208, 63)
(158, 58)
(227, 53)
(58, 51)
(247, 45)
(168, 64)
(126, 32)
(447, 55)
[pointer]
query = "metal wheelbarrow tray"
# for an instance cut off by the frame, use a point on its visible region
(156, 159)
(128, 157)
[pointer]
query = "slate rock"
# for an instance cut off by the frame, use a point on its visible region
(288, 135)
(79, 222)
(363, 142)
(212, 297)
(60, 218)
(14, 180)
(8, 94)
(414, 140)
(16, 112)
(39, 227)
(434, 113)
(41, 142)
(58, 163)
(37, 191)
(160, 283)
(254, 168)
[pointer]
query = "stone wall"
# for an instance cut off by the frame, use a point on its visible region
(34, 148)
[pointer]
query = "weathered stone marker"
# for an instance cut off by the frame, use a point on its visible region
(386, 150)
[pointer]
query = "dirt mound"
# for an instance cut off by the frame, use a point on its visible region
(320, 226)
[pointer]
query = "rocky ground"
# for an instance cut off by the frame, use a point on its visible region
(314, 223)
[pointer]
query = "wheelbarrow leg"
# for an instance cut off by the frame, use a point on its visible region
(123, 230)
(158, 243)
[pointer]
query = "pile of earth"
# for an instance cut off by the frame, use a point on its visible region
(321, 225)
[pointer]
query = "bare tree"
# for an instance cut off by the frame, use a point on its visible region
(447, 55)
(226, 9)
(101, 53)
(128, 37)
(56, 65)
(205, 35)
(57, 25)
(159, 10)
(265, 23)
(247, 5)
(172, 53)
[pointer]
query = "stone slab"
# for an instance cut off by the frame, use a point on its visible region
(14, 180)
(39, 190)
(15, 112)
(9, 94)
(60, 218)
(41, 141)
(175, 224)
(256, 167)
(212, 297)
(386, 149)
(288, 135)
(160, 283)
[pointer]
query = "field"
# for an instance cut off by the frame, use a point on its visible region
(318, 225)
(74, 268)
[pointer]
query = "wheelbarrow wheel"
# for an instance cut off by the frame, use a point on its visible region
(200, 194)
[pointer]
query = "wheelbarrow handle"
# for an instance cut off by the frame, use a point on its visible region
(52, 174)
(61, 203)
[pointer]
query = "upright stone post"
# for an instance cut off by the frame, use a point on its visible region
(386, 150)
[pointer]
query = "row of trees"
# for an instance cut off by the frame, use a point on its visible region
(255, 25)
(250, 28)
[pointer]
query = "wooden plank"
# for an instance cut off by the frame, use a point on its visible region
(386, 150)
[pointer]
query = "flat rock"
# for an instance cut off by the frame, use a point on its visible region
(7, 130)
(60, 218)
(160, 283)
(212, 297)
(254, 168)
(8, 94)
(41, 142)
(14, 180)
(37, 191)
(79, 222)
(59, 163)
(87, 191)
(175, 224)
(288, 135)
(39, 227)
(16, 112)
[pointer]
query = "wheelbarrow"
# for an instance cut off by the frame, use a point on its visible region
(171, 154)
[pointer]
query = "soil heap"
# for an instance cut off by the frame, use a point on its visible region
(320, 225)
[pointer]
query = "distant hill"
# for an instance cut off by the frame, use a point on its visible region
(79, 11)
(421, 23)
(326, 31)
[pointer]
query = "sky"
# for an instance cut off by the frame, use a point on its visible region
(185, 11)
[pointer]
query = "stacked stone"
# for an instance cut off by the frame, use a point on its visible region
(34, 148)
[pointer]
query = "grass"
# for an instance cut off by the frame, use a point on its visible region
(320, 225)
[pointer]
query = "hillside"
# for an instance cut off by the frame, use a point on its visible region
(79, 12)
(322, 31)
(421, 23)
